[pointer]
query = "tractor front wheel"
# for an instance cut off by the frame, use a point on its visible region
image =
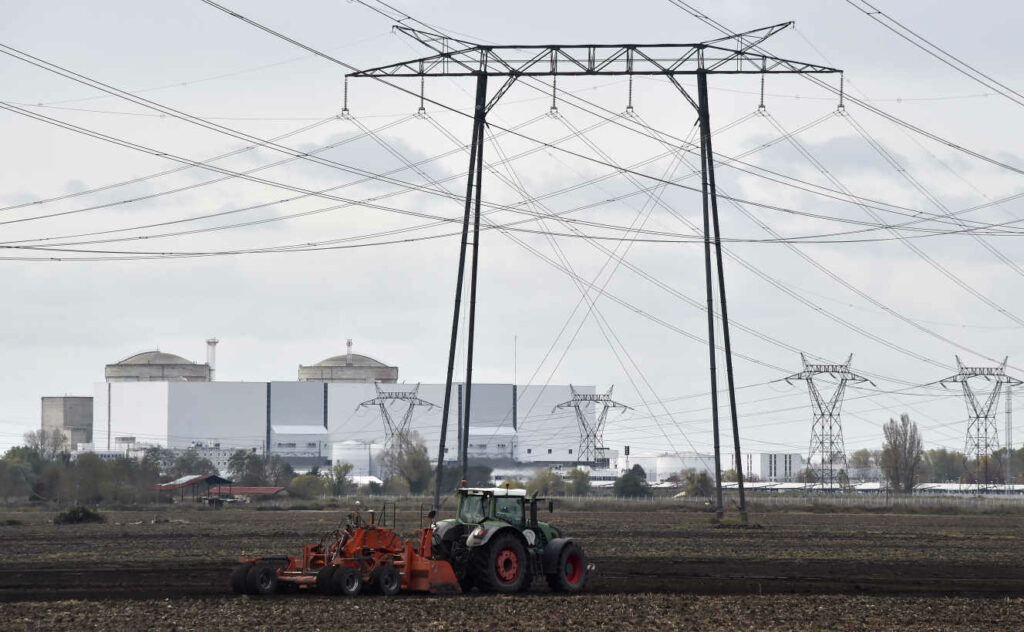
(347, 581)
(502, 565)
(238, 578)
(262, 579)
(571, 571)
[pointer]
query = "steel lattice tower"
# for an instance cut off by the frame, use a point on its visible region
(827, 429)
(982, 437)
(591, 448)
(396, 430)
(731, 55)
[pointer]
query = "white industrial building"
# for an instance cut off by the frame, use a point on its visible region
(774, 467)
(333, 414)
(311, 423)
(158, 398)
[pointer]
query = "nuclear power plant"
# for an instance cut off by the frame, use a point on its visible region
(349, 408)
(345, 408)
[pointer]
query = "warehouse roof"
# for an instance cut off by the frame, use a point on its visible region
(192, 479)
(155, 357)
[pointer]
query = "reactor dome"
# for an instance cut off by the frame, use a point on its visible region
(350, 367)
(157, 366)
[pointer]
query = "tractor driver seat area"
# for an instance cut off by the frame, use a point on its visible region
(509, 509)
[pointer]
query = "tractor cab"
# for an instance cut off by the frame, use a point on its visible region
(479, 505)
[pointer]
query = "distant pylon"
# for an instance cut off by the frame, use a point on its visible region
(982, 438)
(591, 448)
(396, 430)
(827, 428)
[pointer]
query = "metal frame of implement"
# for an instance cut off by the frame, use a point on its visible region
(459, 58)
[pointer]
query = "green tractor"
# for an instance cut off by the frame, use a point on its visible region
(496, 544)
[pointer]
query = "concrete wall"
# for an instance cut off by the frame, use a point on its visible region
(157, 372)
(233, 414)
(370, 374)
(297, 404)
(70, 415)
(136, 409)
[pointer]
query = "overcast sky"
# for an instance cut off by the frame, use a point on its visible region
(61, 321)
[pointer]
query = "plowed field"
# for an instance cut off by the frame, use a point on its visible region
(657, 568)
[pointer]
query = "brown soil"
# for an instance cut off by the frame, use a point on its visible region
(657, 568)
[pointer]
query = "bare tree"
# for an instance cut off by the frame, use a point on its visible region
(409, 461)
(901, 453)
(48, 443)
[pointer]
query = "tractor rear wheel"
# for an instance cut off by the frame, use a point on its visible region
(324, 580)
(501, 566)
(386, 580)
(262, 579)
(347, 582)
(571, 570)
(238, 578)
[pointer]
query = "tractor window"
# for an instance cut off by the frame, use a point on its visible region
(509, 509)
(471, 509)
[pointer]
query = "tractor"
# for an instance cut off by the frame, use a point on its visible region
(494, 544)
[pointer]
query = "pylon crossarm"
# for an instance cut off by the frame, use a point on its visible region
(725, 55)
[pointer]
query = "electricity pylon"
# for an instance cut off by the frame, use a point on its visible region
(396, 431)
(982, 438)
(827, 428)
(591, 448)
(733, 55)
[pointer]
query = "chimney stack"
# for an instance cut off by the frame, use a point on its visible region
(348, 353)
(211, 357)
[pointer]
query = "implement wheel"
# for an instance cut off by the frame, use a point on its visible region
(347, 582)
(386, 580)
(571, 571)
(324, 580)
(262, 579)
(238, 578)
(502, 565)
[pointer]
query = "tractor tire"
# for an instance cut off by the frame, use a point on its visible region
(261, 579)
(467, 583)
(347, 582)
(501, 566)
(325, 580)
(386, 580)
(570, 575)
(238, 578)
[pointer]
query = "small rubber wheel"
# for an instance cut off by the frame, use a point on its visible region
(238, 578)
(387, 580)
(324, 580)
(347, 582)
(262, 579)
(570, 574)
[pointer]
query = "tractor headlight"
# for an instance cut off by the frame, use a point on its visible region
(478, 532)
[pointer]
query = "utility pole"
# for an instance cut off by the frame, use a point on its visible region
(591, 448)
(982, 438)
(732, 54)
(1009, 432)
(827, 428)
